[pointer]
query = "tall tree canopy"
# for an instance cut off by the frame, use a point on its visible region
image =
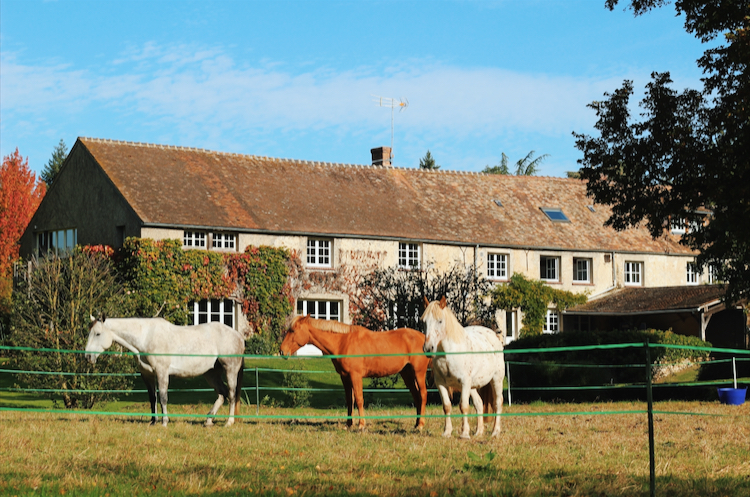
(49, 173)
(428, 162)
(686, 160)
(20, 194)
(523, 167)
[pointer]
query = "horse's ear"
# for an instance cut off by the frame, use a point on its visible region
(443, 302)
(104, 318)
(426, 302)
(93, 319)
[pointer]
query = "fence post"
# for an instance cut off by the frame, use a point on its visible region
(257, 393)
(650, 401)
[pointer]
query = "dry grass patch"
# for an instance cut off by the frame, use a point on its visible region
(580, 452)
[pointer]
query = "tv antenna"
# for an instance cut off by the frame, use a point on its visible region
(401, 103)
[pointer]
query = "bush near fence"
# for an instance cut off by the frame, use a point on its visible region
(537, 376)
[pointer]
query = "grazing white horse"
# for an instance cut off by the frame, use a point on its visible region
(477, 375)
(182, 351)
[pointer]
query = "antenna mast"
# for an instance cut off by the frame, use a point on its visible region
(392, 103)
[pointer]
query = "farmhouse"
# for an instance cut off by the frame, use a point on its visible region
(354, 216)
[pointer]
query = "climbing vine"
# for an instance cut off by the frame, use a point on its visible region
(533, 297)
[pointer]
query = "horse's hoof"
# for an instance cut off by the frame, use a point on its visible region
(465, 436)
(446, 434)
(229, 423)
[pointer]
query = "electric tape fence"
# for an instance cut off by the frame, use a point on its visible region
(8, 389)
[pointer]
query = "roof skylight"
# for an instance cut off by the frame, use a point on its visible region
(555, 215)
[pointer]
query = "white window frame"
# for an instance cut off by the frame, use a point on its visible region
(194, 239)
(319, 252)
(691, 273)
(497, 266)
(577, 270)
(221, 310)
(551, 322)
(223, 241)
(409, 255)
(313, 307)
(711, 275)
(677, 226)
(553, 268)
(633, 273)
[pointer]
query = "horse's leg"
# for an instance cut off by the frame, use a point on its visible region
(348, 393)
(359, 399)
(234, 384)
(410, 379)
(163, 380)
(479, 407)
(446, 398)
(150, 382)
(213, 376)
(497, 388)
(464, 405)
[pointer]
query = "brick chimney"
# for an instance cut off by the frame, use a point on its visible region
(381, 156)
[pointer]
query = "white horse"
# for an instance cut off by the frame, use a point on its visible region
(182, 351)
(479, 376)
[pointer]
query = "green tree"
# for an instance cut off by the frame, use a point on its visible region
(428, 162)
(686, 158)
(528, 166)
(50, 171)
(51, 310)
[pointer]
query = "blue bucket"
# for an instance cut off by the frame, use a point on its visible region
(732, 396)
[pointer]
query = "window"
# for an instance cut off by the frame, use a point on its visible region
(581, 270)
(318, 252)
(194, 239)
(551, 322)
(555, 215)
(549, 268)
(712, 278)
(677, 226)
(213, 310)
(408, 256)
(510, 325)
(320, 309)
(59, 241)
(633, 273)
(692, 273)
(223, 241)
(497, 266)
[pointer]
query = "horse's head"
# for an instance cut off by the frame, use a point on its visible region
(100, 339)
(296, 336)
(435, 318)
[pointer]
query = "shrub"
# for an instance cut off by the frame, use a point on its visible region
(51, 310)
(296, 385)
(594, 367)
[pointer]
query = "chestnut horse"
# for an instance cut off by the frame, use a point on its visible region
(336, 338)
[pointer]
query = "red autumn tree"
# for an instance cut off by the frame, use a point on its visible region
(20, 194)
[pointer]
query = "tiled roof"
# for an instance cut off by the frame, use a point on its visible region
(660, 299)
(179, 186)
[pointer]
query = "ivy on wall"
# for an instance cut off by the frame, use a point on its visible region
(533, 297)
(160, 278)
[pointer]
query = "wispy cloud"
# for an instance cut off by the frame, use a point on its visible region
(199, 88)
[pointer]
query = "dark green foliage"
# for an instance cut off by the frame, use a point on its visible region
(394, 298)
(594, 367)
(686, 158)
(296, 388)
(428, 162)
(524, 167)
(533, 297)
(50, 171)
(52, 309)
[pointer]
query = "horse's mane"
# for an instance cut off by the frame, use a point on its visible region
(453, 328)
(326, 325)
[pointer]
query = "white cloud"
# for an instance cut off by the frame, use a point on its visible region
(198, 88)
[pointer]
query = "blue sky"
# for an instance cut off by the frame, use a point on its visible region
(296, 79)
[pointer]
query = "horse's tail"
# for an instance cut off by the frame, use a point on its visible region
(238, 388)
(487, 393)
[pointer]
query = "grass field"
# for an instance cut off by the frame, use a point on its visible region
(702, 448)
